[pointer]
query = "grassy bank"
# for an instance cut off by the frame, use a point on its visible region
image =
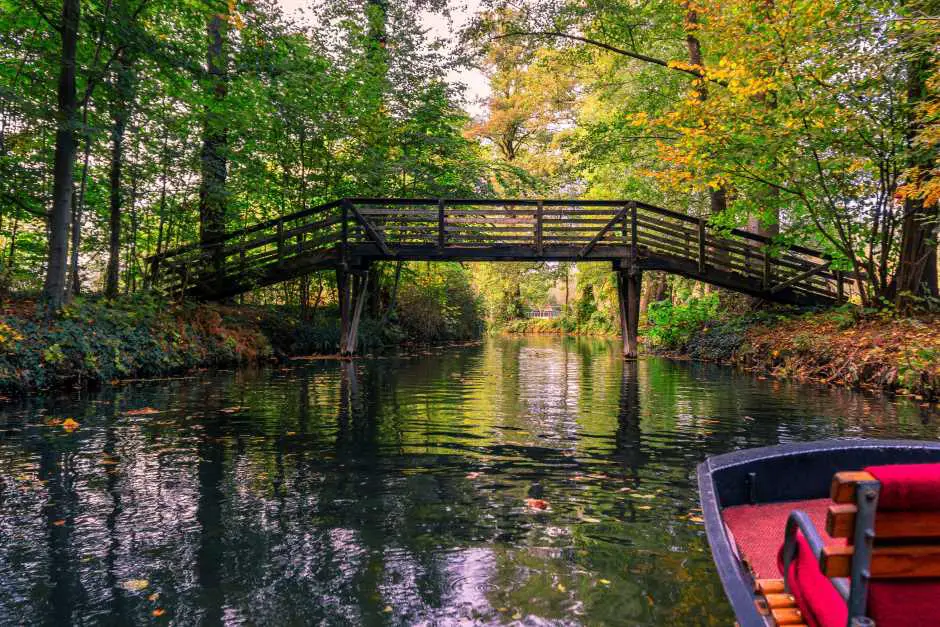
(846, 346)
(96, 340)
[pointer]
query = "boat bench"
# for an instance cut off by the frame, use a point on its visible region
(886, 571)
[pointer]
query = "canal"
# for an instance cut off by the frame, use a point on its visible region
(535, 481)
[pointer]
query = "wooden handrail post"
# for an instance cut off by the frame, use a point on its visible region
(344, 228)
(701, 245)
(840, 286)
(280, 241)
(538, 228)
(767, 274)
(633, 228)
(441, 233)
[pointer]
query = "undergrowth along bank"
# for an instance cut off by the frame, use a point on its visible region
(851, 346)
(97, 340)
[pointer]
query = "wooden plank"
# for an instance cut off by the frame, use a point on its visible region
(780, 600)
(788, 616)
(840, 523)
(843, 485)
(769, 586)
(887, 562)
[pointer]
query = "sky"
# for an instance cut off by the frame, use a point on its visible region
(439, 26)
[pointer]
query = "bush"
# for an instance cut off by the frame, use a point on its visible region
(673, 326)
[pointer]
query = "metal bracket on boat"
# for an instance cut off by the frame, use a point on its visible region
(866, 500)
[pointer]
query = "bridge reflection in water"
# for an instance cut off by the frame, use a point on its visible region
(348, 235)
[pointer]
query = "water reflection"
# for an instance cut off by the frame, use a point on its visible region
(393, 491)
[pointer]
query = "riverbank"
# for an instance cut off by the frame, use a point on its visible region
(96, 340)
(839, 347)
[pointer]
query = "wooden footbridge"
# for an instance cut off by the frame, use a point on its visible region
(350, 234)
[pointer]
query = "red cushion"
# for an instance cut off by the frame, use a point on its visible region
(908, 486)
(818, 600)
(904, 603)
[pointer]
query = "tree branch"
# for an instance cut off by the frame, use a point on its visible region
(600, 44)
(45, 17)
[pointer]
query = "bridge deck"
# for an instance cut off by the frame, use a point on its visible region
(352, 233)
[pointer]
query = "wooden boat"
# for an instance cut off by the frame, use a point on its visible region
(863, 547)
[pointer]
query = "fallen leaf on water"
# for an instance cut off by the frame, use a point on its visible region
(159, 612)
(135, 585)
(696, 519)
(604, 582)
(561, 587)
(644, 507)
(517, 616)
(143, 411)
(53, 422)
(537, 503)
(473, 475)
(388, 609)
(625, 490)
(154, 596)
(69, 425)
(643, 496)
(588, 519)
(58, 523)
(291, 433)
(231, 410)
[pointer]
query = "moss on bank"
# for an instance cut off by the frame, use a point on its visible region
(97, 340)
(845, 346)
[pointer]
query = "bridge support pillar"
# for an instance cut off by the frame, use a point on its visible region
(353, 290)
(342, 293)
(629, 284)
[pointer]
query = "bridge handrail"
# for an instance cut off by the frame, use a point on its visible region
(254, 228)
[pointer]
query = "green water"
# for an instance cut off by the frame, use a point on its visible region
(393, 491)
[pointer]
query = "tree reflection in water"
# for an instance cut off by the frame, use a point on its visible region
(394, 490)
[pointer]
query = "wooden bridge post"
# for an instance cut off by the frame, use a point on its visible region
(441, 226)
(539, 210)
(342, 293)
(629, 287)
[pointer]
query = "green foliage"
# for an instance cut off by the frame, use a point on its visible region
(673, 326)
(440, 305)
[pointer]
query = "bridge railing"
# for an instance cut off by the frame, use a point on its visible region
(386, 228)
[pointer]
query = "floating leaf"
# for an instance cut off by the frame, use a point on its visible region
(143, 411)
(134, 585)
(388, 609)
(158, 612)
(58, 523)
(561, 587)
(643, 496)
(604, 582)
(473, 475)
(154, 596)
(539, 504)
(69, 424)
(517, 616)
(231, 410)
(291, 433)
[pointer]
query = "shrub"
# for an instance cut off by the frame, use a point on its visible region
(673, 326)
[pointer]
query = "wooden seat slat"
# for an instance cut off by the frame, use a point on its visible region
(840, 523)
(887, 562)
(843, 485)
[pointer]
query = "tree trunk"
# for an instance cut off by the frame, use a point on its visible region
(67, 120)
(120, 113)
(918, 242)
(214, 144)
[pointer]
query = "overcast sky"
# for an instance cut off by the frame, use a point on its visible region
(477, 86)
